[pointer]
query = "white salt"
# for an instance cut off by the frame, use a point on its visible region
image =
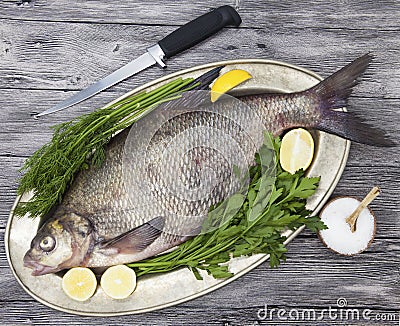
(338, 236)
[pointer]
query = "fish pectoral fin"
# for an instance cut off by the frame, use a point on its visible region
(134, 240)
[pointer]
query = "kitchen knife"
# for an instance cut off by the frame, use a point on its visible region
(183, 38)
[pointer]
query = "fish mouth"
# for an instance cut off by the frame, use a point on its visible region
(38, 269)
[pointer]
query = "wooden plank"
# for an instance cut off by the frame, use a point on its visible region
(70, 56)
(19, 314)
(197, 316)
(258, 14)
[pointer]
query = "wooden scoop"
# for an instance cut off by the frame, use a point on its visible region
(352, 219)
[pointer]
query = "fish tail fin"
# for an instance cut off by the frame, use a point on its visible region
(352, 127)
(333, 93)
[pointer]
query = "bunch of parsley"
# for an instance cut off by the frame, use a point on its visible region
(271, 205)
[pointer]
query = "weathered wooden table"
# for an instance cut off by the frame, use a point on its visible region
(50, 49)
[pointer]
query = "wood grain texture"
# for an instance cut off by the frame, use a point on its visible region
(342, 14)
(69, 56)
(50, 49)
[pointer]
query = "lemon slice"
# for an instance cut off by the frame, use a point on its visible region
(79, 283)
(118, 282)
(297, 150)
(228, 81)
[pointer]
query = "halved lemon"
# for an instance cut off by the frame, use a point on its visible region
(227, 81)
(118, 282)
(79, 283)
(297, 150)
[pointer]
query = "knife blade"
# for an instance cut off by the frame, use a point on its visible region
(179, 40)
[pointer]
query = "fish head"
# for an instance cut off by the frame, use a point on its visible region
(64, 241)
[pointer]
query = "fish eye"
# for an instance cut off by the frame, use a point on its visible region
(47, 244)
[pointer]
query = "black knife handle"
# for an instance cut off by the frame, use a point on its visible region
(198, 30)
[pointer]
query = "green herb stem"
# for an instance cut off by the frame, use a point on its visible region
(79, 143)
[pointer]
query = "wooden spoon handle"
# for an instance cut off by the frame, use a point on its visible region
(352, 219)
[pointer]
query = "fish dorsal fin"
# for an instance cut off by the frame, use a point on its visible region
(134, 240)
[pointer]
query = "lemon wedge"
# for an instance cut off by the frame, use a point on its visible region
(118, 282)
(297, 150)
(79, 283)
(227, 81)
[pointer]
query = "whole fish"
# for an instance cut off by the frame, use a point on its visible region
(106, 220)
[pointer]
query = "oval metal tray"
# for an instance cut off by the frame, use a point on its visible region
(179, 286)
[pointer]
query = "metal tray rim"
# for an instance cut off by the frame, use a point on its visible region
(263, 257)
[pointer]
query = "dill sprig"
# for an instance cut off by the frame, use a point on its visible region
(242, 236)
(79, 143)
